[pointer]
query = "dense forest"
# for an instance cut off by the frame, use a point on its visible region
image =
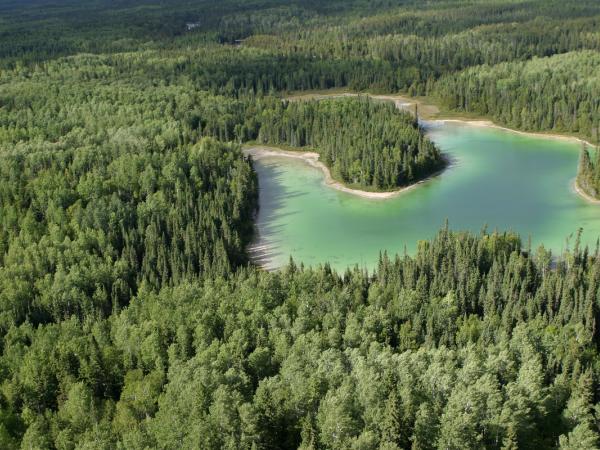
(363, 142)
(559, 93)
(130, 315)
(471, 343)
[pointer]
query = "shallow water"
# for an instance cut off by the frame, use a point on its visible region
(501, 179)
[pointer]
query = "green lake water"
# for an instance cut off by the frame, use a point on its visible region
(501, 179)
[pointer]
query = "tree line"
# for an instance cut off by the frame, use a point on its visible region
(557, 93)
(364, 142)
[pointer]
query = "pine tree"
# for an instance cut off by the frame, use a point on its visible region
(392, 419)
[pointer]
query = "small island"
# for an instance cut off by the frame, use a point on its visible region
(366, 145)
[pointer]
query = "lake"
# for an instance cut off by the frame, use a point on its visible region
(499, 179)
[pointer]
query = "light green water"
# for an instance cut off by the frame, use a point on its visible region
(500, 179)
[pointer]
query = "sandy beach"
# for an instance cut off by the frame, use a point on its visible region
(312, 158)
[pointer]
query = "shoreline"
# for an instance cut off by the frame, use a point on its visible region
(578, 190)
(537, 134)
(312, 159)
(406, 103)
(261, 253)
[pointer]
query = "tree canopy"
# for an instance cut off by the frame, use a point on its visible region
(130, 314)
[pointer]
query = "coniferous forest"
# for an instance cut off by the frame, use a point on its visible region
(130, 314)
(364, 142)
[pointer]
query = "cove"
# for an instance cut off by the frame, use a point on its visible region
(499, 179)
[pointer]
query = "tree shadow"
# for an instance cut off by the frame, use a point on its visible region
(273, 197)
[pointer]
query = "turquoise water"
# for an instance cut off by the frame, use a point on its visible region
(501, 179)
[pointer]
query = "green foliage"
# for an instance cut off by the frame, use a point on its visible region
(269, 359)
(557, 93)
(129, 315)
(84, 228)
(363, 142)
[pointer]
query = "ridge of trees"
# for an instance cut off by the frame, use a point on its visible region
(555, 94)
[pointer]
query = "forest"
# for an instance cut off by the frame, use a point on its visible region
(471, 343)
(559, 93)
(130, 314)
(364, 142)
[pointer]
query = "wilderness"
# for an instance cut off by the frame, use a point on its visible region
(161, 287)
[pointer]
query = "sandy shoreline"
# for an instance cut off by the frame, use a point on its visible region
(312, 158)
(490, 124)
(408, 103)
(577, 189)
